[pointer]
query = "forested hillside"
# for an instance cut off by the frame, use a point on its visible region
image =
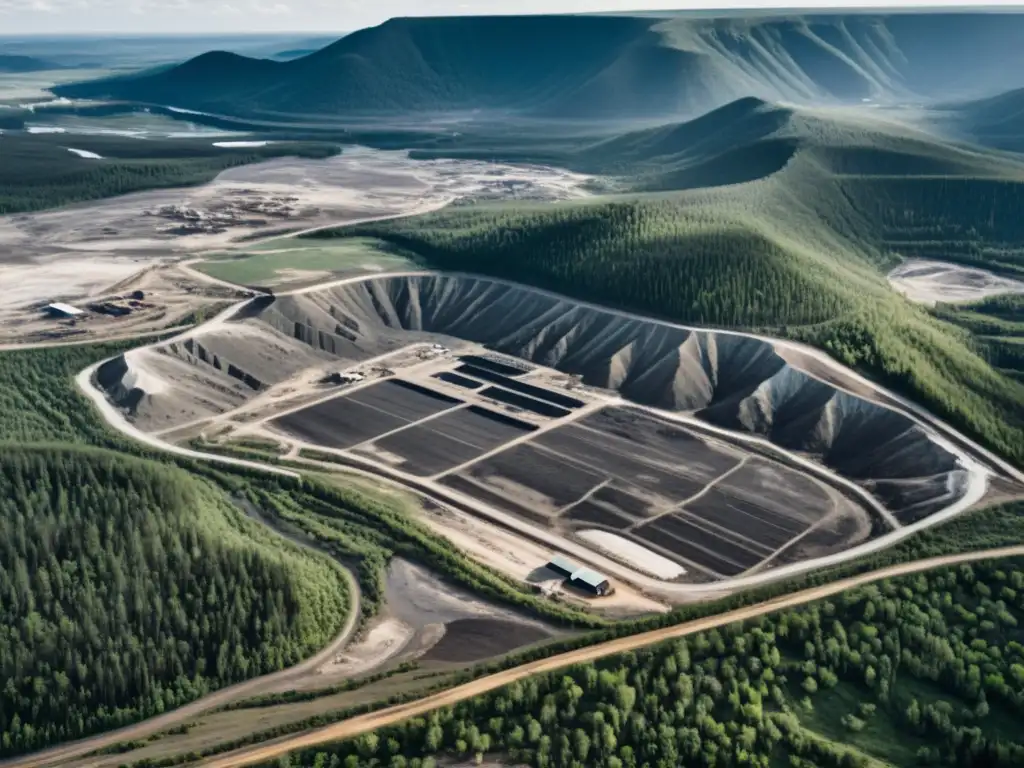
(145, 586)
(128, 588)
(797, 254)
(997, 324)
(592, 66)
(920, 671)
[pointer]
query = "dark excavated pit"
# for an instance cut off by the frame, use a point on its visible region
(468, 640)
(656, 469)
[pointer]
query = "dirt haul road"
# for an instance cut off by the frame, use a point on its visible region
(355, 726)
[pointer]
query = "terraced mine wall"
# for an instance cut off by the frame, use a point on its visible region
(725, 380)
(728, 380)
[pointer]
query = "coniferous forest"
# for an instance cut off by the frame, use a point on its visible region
(128, 588)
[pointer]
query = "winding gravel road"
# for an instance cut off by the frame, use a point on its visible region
(60, 755)
(977, 485)
(355, 726)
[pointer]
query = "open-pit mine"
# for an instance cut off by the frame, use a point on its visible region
(682, 456)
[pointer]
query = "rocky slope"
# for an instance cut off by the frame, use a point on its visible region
(727, 379)
(601, 66)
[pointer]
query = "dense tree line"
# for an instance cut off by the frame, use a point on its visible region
(697, 258)
(38, 398)
(39, 172)
(128, 588)
(654, 253)
(997, 326)
(969, 220)
(934, 663)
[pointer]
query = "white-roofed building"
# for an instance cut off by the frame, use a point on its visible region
(57, 309)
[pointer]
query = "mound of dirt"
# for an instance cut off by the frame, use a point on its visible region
(200, 377)
(727, 379)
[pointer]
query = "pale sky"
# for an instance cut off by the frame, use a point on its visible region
(316, 16)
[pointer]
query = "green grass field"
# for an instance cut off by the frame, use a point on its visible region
(279, 262)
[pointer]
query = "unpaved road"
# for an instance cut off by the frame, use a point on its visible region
(75, 342)
(116, 419)
(62, 754)
(355, 726)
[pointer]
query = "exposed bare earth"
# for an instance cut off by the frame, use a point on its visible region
(927, 282)
(392, 715)
(358, 184)
(520, 558)
(74, 252)
(171, 295)
(731, 459)
(419, 612)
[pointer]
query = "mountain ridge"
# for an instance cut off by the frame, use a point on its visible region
(593, 67)
(16, 64)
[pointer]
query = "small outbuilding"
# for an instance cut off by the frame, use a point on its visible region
(57, 309)
(590, 581)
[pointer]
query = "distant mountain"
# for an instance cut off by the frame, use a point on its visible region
(293, 54)
(17, 64)
(602, 66)
(750, 139)
(997, 121)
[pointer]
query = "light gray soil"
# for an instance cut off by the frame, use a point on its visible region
(927, 282)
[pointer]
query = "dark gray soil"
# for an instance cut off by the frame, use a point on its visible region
(451, 439)
(347, 420)
(467, 640)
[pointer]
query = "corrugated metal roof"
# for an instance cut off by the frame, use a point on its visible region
(587, 576)
(566, 565)
(67, 309)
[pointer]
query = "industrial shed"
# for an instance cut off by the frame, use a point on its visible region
(562, 566)
(579, 577)
(590, 581)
